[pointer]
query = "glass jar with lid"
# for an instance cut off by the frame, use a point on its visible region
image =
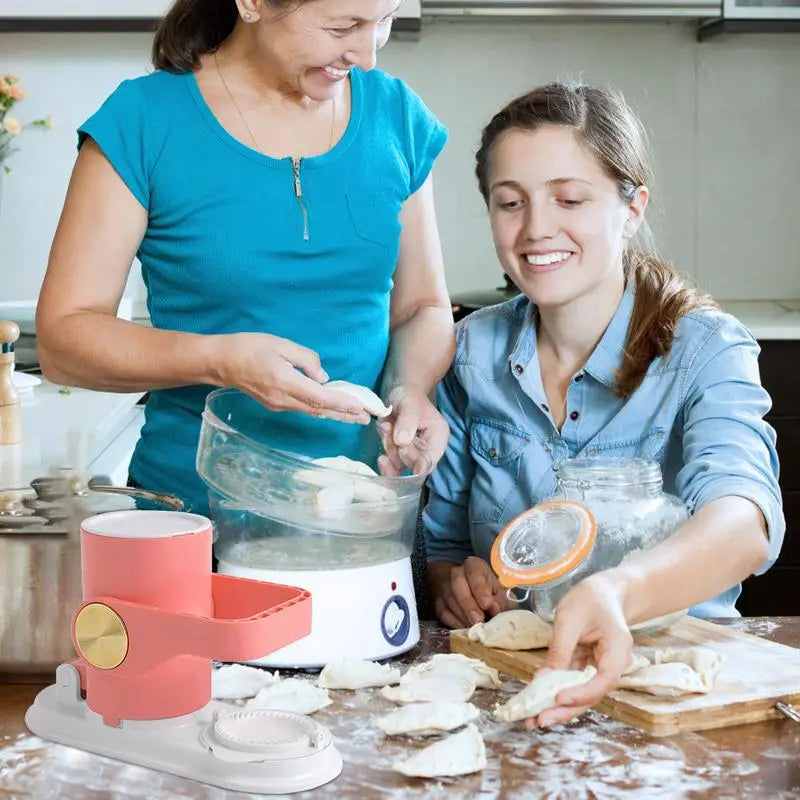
(604, 511)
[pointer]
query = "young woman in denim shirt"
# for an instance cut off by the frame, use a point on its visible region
(606, 352)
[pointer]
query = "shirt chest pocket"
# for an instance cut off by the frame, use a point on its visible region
(496, 449)
(650, 445)
(375, 214)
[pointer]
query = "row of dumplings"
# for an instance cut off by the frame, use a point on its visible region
(433, 699)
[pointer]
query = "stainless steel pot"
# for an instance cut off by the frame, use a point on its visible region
(40, 567)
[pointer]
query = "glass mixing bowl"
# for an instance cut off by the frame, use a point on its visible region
(276, 510)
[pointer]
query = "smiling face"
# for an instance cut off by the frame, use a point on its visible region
(559, 224)
(312, 47)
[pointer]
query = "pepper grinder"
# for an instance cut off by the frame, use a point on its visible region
(10, 414)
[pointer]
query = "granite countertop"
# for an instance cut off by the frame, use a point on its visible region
(767, 319)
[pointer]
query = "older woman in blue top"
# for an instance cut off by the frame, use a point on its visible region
(605, 352)
(277, 191)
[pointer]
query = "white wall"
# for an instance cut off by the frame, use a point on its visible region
(723, 115)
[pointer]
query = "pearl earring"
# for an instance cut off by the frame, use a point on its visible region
(247, 16)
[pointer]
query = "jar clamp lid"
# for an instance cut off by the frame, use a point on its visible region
(543, 544)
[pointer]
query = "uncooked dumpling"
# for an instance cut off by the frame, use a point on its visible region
(237, 681)
(541, 693)
(353, 673)
(638, 661)
(681, 671)
(518, 629)
(351, 481)
(459, 754)
(664, 680)
(370, 402)
(427, 719)
(292, 694)
(486, 677)
(333, 501)
(703, 660)
(427, 688)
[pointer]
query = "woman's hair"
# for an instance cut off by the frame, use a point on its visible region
(608, 128)
(192, 28)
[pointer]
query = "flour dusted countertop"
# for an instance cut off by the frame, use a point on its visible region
(592, 758)
(767, 319)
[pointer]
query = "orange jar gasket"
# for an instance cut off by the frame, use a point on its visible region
(511, 577)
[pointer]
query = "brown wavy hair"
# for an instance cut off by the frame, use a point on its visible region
(192, 28)
(609, 129)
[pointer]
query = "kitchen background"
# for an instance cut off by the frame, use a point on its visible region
(723, 115)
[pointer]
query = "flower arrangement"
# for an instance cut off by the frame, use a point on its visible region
(10, 127)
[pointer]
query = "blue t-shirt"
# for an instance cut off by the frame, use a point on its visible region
(228, 248)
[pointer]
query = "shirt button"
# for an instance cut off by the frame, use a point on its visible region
(578, 378)
(574, 415)
(519, 369)
(544, 407)
(492, 453)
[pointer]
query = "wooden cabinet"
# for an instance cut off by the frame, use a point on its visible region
(778, 592)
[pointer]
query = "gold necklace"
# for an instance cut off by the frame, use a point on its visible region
(244, 119)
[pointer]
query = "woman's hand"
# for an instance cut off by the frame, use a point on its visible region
(466, 594)
(283, 376)
(590, 614)
(415, 436)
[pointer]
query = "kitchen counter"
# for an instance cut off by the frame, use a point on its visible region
(60, 426)
(592, 758)
(767, 319)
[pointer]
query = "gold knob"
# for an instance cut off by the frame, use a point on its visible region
(100, 636)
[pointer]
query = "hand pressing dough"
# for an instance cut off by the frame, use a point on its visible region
(459, 754)
(370, 402)
(237, 681)
(353, 673)
(430, 687)
(292, 694)
(541, 693)
(664, 680)
(427, 719)
(518, 629)
(486, 677)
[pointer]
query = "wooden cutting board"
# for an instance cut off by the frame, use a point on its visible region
(755, 674)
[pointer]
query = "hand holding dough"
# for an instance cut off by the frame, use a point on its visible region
(459, 754)
(541, 693)
(370, 402)
(353, 673)
(427, 719)
(518, 629)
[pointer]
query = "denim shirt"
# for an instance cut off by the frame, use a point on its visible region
(698, 413)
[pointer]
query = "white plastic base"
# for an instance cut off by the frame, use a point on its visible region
(189, 746)
(363, 612)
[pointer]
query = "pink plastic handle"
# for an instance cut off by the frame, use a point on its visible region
(251, 619)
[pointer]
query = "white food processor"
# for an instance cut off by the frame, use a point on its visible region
(330, 526)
